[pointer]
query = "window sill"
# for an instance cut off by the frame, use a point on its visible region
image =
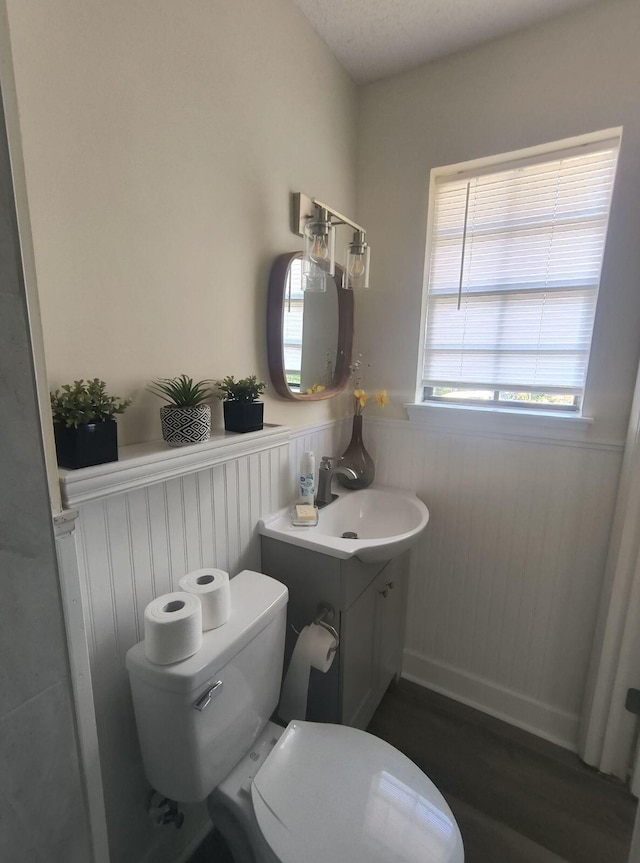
(500, 421)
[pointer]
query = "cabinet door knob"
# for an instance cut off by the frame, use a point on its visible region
(384, 593)
(389, 584)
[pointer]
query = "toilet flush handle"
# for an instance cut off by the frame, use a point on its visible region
(207, 695)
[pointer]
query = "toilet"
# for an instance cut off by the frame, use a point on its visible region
(307, 793)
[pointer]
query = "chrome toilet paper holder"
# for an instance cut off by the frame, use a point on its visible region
(323, 611)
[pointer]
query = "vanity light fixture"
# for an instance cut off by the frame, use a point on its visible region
(316, 222)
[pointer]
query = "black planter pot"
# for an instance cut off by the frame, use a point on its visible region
(92, 443)
(243, 416)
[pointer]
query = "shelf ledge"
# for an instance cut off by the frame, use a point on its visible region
(145, 464)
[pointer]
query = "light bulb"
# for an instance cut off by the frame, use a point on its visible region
(320, 248)
(356, 263)
(356, 266)
(319, 244)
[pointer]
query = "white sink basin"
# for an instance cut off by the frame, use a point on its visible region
(387, 521)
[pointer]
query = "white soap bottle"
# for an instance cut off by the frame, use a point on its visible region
(307, 478)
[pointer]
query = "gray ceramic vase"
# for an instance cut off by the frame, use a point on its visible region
(358, 459)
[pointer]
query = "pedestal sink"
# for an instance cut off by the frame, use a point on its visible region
(372, 524)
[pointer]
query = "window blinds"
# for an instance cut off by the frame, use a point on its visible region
(516, 254)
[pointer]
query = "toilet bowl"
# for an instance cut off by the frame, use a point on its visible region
(307, 793)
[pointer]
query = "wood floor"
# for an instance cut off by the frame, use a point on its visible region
(517, 798)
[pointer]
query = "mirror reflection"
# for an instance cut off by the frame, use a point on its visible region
(309, 333)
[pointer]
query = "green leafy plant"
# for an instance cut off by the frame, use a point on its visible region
(83, 402)
(245, 390)
(182, 392)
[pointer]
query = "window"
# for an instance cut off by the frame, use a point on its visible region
(292, 325)
(513, 273)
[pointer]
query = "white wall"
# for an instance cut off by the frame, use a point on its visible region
(162, 141)
(569, 76)
(506, 583)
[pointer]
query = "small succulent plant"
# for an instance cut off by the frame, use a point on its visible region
(182, 391)
(245, 390)
(83, 402)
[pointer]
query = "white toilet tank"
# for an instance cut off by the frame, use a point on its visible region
(187, 751)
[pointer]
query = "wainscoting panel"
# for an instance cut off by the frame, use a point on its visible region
(136, 544)
(505, 581)
(503, 592)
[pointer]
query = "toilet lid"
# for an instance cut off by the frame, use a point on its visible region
(328, 792)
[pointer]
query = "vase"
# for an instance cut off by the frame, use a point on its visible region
(357, 458)
(185, 425)
(243, 416)
(86, 444)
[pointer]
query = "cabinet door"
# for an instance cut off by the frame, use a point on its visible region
(359, 656)
(391, 590)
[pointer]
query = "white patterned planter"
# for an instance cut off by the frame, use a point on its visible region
(182, 426)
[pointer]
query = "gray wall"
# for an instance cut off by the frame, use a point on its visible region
(42, 816)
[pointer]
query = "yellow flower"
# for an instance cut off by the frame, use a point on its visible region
(316, 388)
(361, 397)
(381, 398)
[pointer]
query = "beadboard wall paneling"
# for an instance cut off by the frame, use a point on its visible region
(505, 582)
(135, 545)
(503, 592)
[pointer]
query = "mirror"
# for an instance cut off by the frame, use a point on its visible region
(309, 335)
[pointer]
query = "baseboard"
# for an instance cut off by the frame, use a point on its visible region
(531, 715)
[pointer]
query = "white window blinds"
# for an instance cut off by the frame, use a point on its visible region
(514, 270)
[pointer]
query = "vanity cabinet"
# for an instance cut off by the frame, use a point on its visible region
(369, 602)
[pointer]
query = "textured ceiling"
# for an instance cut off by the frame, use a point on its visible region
(376, 38)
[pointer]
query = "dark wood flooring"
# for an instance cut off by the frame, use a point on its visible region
(517, 798)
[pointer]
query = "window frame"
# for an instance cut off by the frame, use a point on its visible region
(479, 167)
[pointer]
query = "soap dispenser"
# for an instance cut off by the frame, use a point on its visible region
(305, 512)
(307, 478)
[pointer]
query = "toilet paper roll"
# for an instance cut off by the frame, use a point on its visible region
(313, 650)
(172, 627)
(211, 586)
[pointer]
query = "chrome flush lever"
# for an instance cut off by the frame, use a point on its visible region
(205, 699)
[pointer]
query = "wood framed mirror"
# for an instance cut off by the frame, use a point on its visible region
(309, 334)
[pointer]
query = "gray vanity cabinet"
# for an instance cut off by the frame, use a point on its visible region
(370, 606)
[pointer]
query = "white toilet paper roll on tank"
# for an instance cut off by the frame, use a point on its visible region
(172, 627)
(211, 586)
(315, 648)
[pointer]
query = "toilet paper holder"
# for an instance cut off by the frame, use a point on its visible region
(323, 611)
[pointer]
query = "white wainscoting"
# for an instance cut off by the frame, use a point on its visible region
(506, 580)
(503, 594)
(139, 530)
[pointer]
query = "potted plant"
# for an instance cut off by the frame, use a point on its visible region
(85, 430)
(242, 410)
(185, 419)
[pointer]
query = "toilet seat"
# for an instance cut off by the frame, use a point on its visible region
(329, 792)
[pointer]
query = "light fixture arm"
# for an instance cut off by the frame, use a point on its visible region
(338, 218)
(305, 208)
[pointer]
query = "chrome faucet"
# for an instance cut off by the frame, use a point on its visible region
(326, 474)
